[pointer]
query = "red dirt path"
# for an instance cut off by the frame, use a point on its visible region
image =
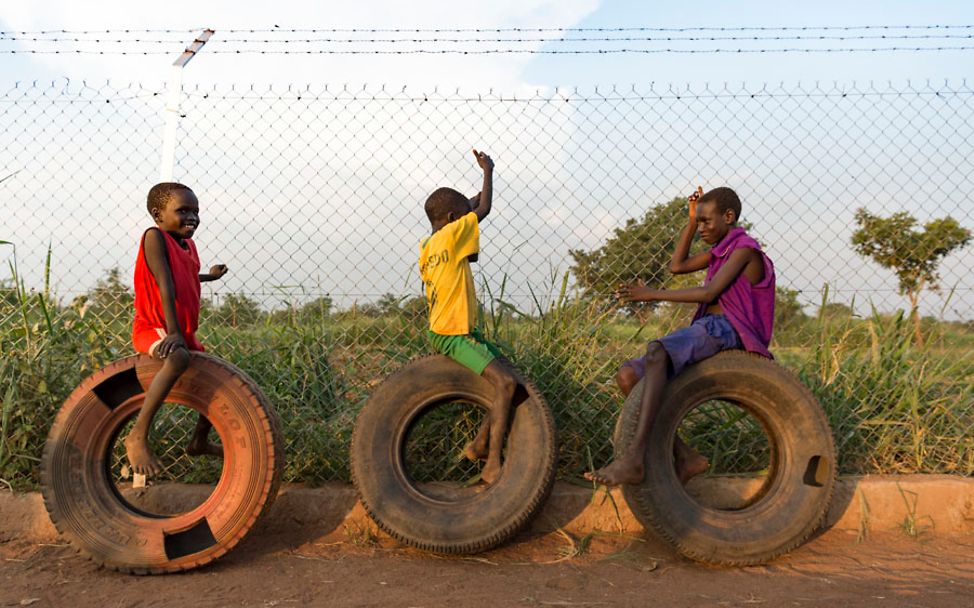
(354, 568)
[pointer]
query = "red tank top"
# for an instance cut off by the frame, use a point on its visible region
(184, 265)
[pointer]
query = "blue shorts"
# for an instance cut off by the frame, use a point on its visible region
(704, 338)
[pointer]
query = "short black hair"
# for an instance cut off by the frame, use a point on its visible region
(160, 193)
(442, 202)
(725, 199)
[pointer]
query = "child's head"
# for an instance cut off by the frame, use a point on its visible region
(717, 212)
(174, 208)
(444, 206)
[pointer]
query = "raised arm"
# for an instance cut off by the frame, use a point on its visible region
(706, 293)
(158, 262)
(481, 203)
(682, 262)
(216, 272)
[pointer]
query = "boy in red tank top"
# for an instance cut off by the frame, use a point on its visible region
(167, 310)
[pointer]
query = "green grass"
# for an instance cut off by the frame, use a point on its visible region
(894, 407)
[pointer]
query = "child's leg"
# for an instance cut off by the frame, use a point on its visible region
(140, 456)
(199, 444)
(689, 462)
(628, 467)
(500, 409)
(626, 379)
(478, 448)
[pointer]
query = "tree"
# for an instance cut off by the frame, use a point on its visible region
(316, 310)
(788, 311)
(835, 310)
(639, 251)
(110, 299)
(387, 305)
(8, 292)
(309, 313)
(912, 254)
(415, 308)
(237, 310)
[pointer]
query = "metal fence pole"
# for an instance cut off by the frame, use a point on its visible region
(171, 111)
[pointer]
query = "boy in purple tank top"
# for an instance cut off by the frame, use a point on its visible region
(735, 309)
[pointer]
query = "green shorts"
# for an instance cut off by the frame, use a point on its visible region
(469, 350)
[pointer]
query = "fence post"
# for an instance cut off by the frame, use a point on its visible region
(171, 110)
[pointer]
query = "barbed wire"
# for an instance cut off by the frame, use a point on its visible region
(496, 40)
(96, 40)
(106, 31)
(600, 29)
(503, 30)
(504, 51)
(79, 52)
(604, 39)
(578, 51)
(308, 92)
(456, 45)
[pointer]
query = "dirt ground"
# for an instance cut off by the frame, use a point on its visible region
(359, 568)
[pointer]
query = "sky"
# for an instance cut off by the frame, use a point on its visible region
(228, 163)
(490, 71)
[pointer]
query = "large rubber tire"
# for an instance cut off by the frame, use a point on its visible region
(795, 496)
(88, 509)
(467, 520)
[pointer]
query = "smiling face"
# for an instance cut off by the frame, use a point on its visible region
(180, 216)
(712, 224)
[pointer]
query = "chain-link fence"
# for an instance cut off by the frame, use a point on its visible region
(313, 195)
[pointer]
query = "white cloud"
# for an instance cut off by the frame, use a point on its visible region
(459, 70)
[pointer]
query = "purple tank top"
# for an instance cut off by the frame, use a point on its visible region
(749, 308)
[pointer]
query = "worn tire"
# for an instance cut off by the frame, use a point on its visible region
(468, 521)
(89, 511)
(795, 497)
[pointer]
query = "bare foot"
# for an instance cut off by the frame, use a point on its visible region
(490, 473)
(689, 464)
(620, 471)
(199, 446)
(141, 458)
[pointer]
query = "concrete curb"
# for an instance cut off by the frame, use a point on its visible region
(932, 504)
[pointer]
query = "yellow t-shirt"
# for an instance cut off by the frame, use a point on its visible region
(445, 270)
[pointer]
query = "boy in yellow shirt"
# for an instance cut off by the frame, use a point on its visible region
(444, 265)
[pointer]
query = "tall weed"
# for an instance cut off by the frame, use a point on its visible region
(894, 406)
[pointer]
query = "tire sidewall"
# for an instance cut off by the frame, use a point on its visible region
(475, 522)
(790, 508)
(87, 508)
